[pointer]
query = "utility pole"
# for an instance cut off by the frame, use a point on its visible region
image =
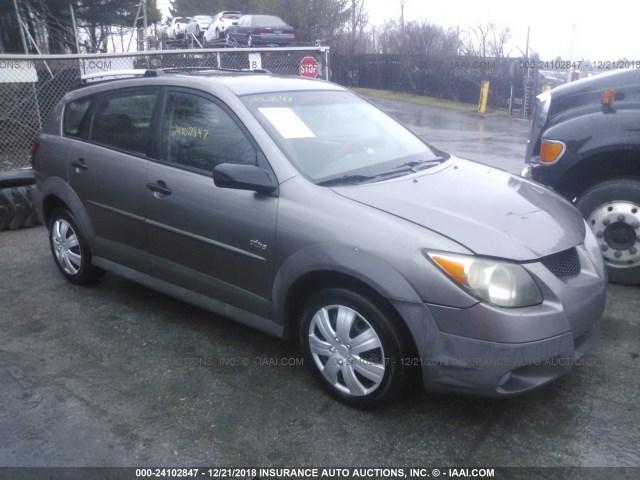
(75, 28)
(144, 34)
(142, 6)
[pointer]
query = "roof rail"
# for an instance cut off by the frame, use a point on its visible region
(186, 69)
(99, 77)
(216, 69)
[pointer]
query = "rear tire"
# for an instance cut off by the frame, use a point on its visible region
(612, 210)
(70, 249)
(354, 348)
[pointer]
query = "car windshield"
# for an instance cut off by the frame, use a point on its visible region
(182, 20)
(337, 137)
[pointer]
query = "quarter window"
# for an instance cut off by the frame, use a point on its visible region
(198, 133)
(124, 121)
(76, 118)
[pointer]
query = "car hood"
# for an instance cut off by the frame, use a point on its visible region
(489, 211)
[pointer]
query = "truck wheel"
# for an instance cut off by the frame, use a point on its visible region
(612, 210)
(16, 208)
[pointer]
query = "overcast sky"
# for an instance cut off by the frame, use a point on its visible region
(598, 31)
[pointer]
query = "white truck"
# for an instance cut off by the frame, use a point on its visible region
(177, 28)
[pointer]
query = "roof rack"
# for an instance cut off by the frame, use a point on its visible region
(92, 78)
(212, 69)
(187, 69)
(100, 77)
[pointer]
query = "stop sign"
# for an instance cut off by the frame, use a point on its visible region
(309, 67)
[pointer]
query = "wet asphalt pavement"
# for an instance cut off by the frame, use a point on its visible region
(497, 140)
(118, 375)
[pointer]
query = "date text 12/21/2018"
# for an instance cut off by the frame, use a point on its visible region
(576, 64)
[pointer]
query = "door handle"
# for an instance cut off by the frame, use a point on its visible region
(79, 165)
(159, 187)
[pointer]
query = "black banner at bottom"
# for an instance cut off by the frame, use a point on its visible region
(320, 473)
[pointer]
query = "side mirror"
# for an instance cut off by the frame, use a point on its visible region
(244, 177)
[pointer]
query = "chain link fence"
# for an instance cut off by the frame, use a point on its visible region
(453, 78)
(32, 85)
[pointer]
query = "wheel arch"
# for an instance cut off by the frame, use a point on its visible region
(599, 166)
(325, 266)
(56, 193)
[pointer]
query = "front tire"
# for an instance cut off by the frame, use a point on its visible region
(612, 210)
(70, 249)
(354, 348)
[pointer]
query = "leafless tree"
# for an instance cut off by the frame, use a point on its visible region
(485, 40)
(357, 22)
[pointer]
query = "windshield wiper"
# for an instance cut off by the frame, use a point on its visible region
(355, 179)
(423, 164)
(348, 179)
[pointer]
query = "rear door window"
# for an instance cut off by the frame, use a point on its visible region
(123, 121)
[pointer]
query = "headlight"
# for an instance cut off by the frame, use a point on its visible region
(503, 284)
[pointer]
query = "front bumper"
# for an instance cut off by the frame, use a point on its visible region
(554, 175)
(495, 352)
(456, 364)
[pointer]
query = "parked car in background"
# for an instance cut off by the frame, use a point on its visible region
(198, 25)
(260, 29)
(584, 143)
(219, 25)
(298, 208)
(177, 27)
